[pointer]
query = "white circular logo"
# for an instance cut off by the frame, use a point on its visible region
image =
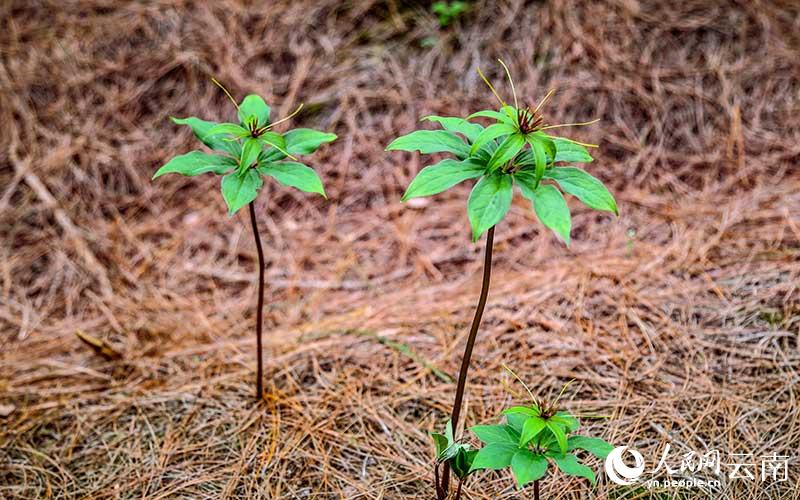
(620, 473)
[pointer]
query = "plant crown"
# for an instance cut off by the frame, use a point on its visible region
(514, 150)
(246, 151)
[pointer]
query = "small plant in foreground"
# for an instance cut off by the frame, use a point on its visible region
(533, 437)
(514, 150)
(458, 456)
(245, 152)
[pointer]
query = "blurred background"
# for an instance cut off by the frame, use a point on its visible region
(678, 322)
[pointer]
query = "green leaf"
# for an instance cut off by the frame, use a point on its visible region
(569, 465)
(508, 149)
(487, 113)
(442, 176)
(430, 141)
(566, 150)
(595, 446)
(489, 134)
(526, 159)
(485, 152)
(570, 423)
(201, 129)
(530, 429)
(440, 441)
(294, 174)
(583, 186)
(511, 112)
(495, 434)
(303, 141)
(250, 151)
(458, 125)
(239, 189)
(195, 163)
(539, 160)
(522, 410)
(547, 143)
(450, 451)
(558, 432)
(488, 203)
(453, 450)
(494, 456)
(526, 181)
(548, 203)
(516, 421)
(228, 129)
(462, 462)
(527, 466)
(542, 148)
(270, 154)
(273, 139)
(448, 431)
(276, 145)
(254, 106)
(546, 441)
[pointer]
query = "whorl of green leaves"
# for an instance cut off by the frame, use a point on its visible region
(529, 442)
(246, 152)
(502, 155)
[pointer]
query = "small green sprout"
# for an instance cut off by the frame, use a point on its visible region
(245, 153)
(458, 455)
(447, 12)
(517, 149)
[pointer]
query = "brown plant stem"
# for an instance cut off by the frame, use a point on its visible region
(458, 491)
(260, 312)
(536, 490)
(473, 333)
(440, 494)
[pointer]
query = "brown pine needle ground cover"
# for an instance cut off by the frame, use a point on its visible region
(679, 323)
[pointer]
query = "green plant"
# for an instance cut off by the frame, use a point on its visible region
(457, 455)
(532, 438)
(515, 150)
(245, 153)
(447, 12)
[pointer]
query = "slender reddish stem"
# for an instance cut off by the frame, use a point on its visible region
(536, 490)
(440, 494)
(458, 491)
(260, 312)
(473, 333)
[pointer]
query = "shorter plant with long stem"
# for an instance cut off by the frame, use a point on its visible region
(245, 153)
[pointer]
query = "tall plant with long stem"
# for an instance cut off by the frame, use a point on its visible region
(516, 149)
(245, 153)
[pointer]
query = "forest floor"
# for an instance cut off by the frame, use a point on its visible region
(678, 322)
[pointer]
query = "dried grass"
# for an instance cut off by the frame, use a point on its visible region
(680, 321)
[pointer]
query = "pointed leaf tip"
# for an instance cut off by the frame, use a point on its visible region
(583, 186)
(303, 141)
